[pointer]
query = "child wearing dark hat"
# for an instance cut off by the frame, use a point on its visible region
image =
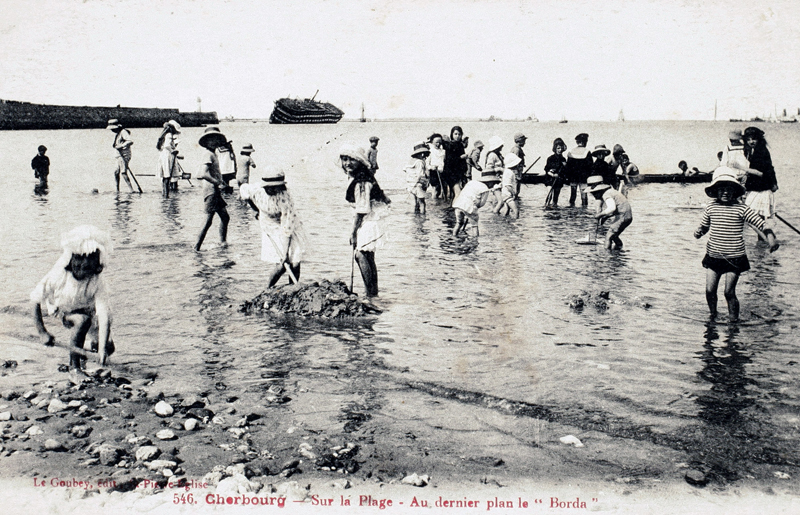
(724, 219)
(212, 140)
(41, 167)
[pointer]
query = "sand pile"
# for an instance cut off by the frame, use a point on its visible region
(324, 299)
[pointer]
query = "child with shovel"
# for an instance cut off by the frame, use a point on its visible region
(614, 205)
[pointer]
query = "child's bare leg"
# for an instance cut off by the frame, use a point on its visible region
(712, 282)
(275, 275)
(80, 326)
(223, 228)
(203, 231)
(731, 279)
(416, 204)
(369, 272)
(513, 209)
(45, 337)
(460, 222)
(422, 203)
(127, 179)
(295, 271)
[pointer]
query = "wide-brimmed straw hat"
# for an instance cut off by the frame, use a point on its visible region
(420, 148)
(85, 239)
(175, 126)
(248, 147)
(599, 187)
(273, 177)
(494, 143)
(735, 135)
(113, 124)
(511, 160)
(211, 133)
(354, 152)
(478, 144)
(594, 180)
(724, 176)
(601, 149)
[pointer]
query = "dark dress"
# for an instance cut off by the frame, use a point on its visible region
(455, 168)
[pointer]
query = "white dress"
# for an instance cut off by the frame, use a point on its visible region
(278, 225)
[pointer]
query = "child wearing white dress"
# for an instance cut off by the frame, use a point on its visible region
(75, 291)
(282, 238)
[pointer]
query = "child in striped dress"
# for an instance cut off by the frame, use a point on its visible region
(724, 220)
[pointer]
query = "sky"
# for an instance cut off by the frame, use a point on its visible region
(580, 60)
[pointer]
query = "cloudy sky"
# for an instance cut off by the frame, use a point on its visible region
(656, 59)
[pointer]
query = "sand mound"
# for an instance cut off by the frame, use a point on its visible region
(325, 299)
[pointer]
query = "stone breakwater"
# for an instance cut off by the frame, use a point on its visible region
(324, 299)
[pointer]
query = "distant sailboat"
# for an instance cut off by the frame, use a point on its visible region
(621, 117)
(563, 119)
(363, 118)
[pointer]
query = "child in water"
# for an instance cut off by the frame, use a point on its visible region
(211, 140)
(417, 177)
(614, 205)
(724, 219)
(74, 291)
(41, 167)
(474, 196)
(508, 193)
(281, 231)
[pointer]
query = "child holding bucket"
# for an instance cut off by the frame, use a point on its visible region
(417, 177)
(724, 219)
(614, 205)
(508, 191)
(74, 291)
(211, 140)
(282, 238)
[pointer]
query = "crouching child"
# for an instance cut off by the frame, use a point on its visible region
(74, 291)
(614, 206)
(474, 196)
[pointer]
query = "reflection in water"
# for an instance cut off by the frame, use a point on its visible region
(122, 221)
(213, 300)
(170, 207)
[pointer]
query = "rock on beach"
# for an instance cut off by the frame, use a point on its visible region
(324, 299)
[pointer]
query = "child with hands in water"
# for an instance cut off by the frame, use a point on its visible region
(75, 291)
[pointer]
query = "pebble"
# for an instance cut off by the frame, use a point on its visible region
(147, 453)
(34, 431)
(163, 409)
(56, 406)
(167, 473)
(571, 440)
(28, 395)
(212, 478)
(781, 475)
(43, 403)
(190, 424)
(416, 480)
(165, 434)
(160, 464)
(74, 404)
(290, 464)
(343, 484)
(696, 477)
(6, 416)
(10, 395)
(81, 431)
(109, 455)
(238, 432)
(236, 484)
(241, 422)
(218, 420)
(53, 445)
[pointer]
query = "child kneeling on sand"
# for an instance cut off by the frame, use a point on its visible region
(724, 220)
(281, 231)
(469, 200)
(74, 291)
(614, 205)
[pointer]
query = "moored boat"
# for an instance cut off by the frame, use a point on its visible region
(308, 110)
(648, 178)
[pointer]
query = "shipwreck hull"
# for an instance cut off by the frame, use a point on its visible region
(27, 116)
(289, 111)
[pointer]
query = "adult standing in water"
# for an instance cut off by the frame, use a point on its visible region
(579, 168)
(167, 145)
(761, 189)
(370, 204)
(122, 146)
(455, 162)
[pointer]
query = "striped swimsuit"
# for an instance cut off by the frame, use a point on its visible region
(725, 224)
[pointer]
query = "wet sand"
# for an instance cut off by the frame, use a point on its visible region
(297, 443)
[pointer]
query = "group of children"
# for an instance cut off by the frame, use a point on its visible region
(74, 289)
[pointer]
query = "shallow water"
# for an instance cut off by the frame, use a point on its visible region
(488, 315)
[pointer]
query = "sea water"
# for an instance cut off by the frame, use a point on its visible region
(488, 315)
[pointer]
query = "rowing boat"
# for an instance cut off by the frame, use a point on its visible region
(647, 178)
